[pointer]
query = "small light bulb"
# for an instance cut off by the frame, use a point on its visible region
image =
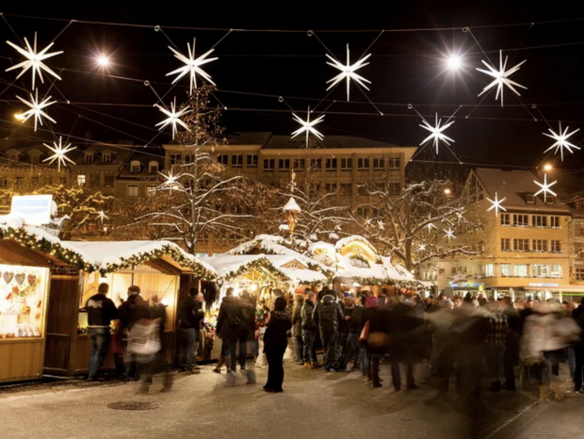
(454, 62)
(548, 167)
(103, 61)
(18, 116)
(447, 191)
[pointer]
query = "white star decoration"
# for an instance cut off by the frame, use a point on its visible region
(36, 109)
(34, 60)
(348, 72)
(308, 126)
(101, 215)
(437, 132)
(545, 188)
(173, 117)
(192, 66)
(501, 77)
(422, 247)
(561, 141)
(496, 204)
(431, 226)
(449, 234)
(59, 153)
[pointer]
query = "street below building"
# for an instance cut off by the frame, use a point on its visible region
(313, 405)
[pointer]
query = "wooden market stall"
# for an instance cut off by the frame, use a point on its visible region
(155, 266)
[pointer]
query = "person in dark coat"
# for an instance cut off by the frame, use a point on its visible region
(275, 342)
(100, 312)
(297, 328)
(309, 332)
(578, 315)
(189, 327)
(228, 324)
(247, 327)
(511, 355)
(328, 317)
(377, 339)
(132, 310)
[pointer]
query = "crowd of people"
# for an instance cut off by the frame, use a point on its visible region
(459, 337)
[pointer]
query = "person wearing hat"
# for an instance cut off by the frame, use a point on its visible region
(100, 312)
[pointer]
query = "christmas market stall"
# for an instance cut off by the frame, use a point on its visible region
(31, 260)
(155, 266)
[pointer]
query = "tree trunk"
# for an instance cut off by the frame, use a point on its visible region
(409, 263)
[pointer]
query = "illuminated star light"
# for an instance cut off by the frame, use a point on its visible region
(192, 65)
(36, 109)
(545, 188)
(173, 117)
(437, 132)
(561, 141)
(431, 226)
(59, 153)
(34, 60)
(171, 180)
(501, 77)
(348, 72)
(496, 204)
(308, 126)
(449, 234)
(422, 247)
(101, 215)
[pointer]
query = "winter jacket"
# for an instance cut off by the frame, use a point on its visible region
(346, 322)
(307, 313)
(191, 314)
(276, 333)
(100, 311)
(379, 323)
(229, 319)
(546, 333)
(328, 315)
(132, 310)
(248, 324)
(355, 326)
(297, 319)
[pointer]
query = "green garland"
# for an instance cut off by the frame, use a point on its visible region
(43, 245)
(167, 250)
(258, 264)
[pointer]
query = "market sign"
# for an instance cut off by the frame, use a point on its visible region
(468, 285)
(544, 285)
(35, 210)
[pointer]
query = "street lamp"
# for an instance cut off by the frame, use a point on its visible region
(291, 210)
(447, 191)
(548, 167)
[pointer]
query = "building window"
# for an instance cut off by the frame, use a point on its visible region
(135, 167)
(453, 271)
(88, 157)
(378, 163)
(284, 163)
(237, 161)
(363, 212)
(541, 270)
(362, 190)
(150, 190)
(3, 182)
(346, 188)
(175, 159)
(223, 159)
(557, 272)
(539, 245)
(580, 274)
(489, 270)
(19, 182)
(505, 270)
(94, 179)
(346, 164)
(521, 245)
(252, 160)
(550, 199)
(34, 159)
(539, 221)
(109, 181)
(330, 187)
(394, 188)
(299, 164)
(363, 164)
(153, 167)
(579, 228)
(520, 270)
(81, 180)
(530, 198)
(556, 246)
(269, 165)
(394, 163)
(132, 190)
(106, 157)
(331, 164)
(505, 219)
(505, 244)
(315, 163)
(34, 181)
(520, 220)
(555, 222)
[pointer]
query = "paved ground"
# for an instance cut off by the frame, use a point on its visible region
(314, 405)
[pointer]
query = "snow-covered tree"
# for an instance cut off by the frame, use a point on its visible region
(412, 225)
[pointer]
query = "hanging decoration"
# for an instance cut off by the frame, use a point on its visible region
(561, 139)
(449, 234)
(436, 131)
(545, 188)
(174, 117)
(348, 72)
(36, 109)
(422, 247)
(102, 216)
(501, 77)
(496, 204)
(59, 153)
(308, 126)
(34, 60)
(192, 66)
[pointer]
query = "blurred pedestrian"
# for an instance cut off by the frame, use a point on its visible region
(309, 332)
(511, 355)
(189, 328)
(129, 313)
(297, 328)
(100, 312)
(495, 347)
(228, 323)
(275, 342)
(328, 316)
(247, 333)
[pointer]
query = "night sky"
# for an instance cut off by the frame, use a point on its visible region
(406, 67)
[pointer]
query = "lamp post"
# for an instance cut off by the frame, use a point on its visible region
(291, 210)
